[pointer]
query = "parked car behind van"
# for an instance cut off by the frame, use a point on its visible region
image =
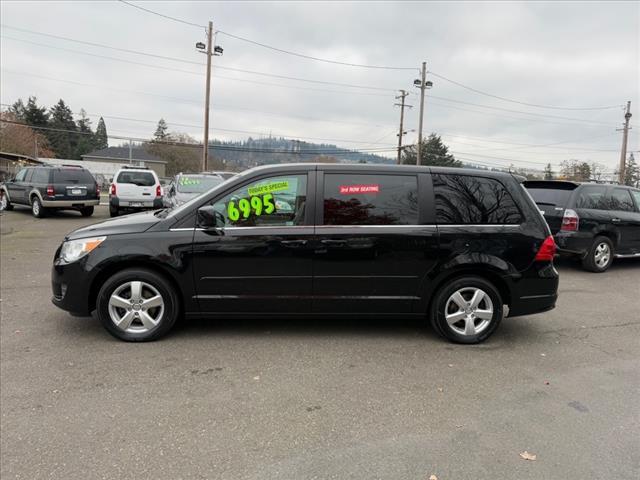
(459, 248)
(134, 189)
(594, 222)
(46, 188)
(185, 186)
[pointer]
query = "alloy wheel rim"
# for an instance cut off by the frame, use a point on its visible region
(469, 311)
(602, 255)
(136, 307)
(35, 207)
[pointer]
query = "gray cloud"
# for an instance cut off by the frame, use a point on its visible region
(567, 54)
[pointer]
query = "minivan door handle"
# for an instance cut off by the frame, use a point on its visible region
(334, 243)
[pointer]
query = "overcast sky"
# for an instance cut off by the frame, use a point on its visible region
(573, 54)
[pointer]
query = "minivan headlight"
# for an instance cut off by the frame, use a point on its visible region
(76, 249)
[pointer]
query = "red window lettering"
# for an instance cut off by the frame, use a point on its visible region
(351, 189)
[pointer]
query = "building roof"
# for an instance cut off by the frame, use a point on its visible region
(122, 153)
(18, 157)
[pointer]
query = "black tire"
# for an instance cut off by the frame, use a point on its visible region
(37, 210)
(5, 204)
(485, 326)
(166, 319)
(86, 211)
(113, 211)
(593, 261)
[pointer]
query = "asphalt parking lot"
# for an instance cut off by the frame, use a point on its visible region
(315, 400)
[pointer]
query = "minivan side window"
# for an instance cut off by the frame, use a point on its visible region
(370, 199)
(620, 199)
(466, 199)
(273, 201)
(592, 197)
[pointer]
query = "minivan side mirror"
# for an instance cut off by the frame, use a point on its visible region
(210, 219)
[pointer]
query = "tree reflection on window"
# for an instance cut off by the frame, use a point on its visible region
(463, 199)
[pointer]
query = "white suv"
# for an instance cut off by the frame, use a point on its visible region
(134, 188)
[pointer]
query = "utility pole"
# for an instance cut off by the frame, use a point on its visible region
(623, 152)
(205, 149)
(423, 85)
(210, 52)
(402, 96)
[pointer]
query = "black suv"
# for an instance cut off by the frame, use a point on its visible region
(47, 187)
(451, 245)
(595, 222)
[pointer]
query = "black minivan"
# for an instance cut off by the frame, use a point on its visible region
(460, 248)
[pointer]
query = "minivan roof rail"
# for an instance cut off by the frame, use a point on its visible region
(134, 167)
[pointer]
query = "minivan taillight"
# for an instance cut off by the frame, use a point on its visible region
(570, 221)
(547, 250)
(50, 191)
(158, 191)
(113, 189)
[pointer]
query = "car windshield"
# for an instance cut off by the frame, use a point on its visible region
(72, 175)
(142, 179)
(197, 183)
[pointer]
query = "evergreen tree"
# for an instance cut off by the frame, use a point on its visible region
(62, 139)
(434, 152)
(34, 115)
(631, 172)
(101, 138)
(86, 139)
(548, 173)
(161, 130)
(18, 110)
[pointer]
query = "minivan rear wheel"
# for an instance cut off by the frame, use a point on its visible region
(600, 255)
(137, 305)
(467, 310)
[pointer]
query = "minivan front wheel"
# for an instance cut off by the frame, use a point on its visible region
(600, 255)
(137, 305)
(467, 310)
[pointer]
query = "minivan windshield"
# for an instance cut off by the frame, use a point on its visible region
(142, 179)
(197, 183)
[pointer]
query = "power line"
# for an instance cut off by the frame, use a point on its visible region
(233, 69)
(162, 15)
(514, 111)
(288, 52)
(195, 102)
(518, 101)
(310, 57)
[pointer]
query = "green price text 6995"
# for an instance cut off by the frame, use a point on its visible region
(262, 205)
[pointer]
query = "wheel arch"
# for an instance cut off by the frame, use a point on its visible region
(481, 271)
(116, 267)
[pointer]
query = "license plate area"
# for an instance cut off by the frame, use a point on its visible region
(76, 191)
(136, 204)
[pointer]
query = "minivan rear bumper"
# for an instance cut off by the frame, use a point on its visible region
(536, 291)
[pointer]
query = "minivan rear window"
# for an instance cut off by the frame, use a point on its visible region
(142, 179)
(467, 199)
(72, 175)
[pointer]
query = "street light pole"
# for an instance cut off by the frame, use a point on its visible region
(422, 88)
(205, 147)
(623, 151)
